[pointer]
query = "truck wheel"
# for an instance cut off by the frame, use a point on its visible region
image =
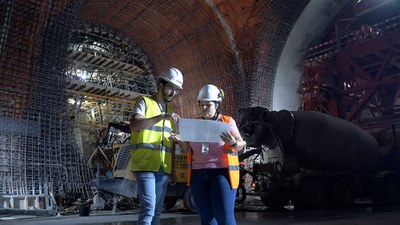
(188, 200)
(341, 194)
(392, 191)
(240, 194)
(170, 203)
(309, 195)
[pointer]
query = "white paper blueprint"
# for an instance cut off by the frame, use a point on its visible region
(201, 130)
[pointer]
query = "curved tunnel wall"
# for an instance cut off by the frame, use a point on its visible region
(312, 23)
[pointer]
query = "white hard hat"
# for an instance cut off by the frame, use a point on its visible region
(173, 76)
(210, 92)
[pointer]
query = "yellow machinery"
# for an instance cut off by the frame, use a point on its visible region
(123, 181)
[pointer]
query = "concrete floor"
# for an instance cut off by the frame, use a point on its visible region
(354, 216)
(249, 213)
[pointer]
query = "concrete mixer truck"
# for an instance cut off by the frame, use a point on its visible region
(313, 159)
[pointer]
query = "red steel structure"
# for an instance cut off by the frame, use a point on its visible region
(355, 73)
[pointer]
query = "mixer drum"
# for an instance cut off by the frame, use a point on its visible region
(323, 142)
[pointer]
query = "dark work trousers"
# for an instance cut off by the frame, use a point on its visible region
(213, 196)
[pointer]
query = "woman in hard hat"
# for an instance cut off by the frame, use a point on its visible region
(214, 173)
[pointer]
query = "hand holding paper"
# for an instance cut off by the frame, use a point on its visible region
(201, 130)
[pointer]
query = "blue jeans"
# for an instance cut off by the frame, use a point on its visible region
(152, 187)
(213, 196)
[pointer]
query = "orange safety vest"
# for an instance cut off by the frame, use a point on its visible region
(233, 161)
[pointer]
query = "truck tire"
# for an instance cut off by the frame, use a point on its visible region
(188, 201)
(341, 193)
(310, 194)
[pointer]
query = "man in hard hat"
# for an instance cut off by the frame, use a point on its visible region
(153, 151)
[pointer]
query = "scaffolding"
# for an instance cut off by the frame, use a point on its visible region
(353, 74)
(40, 160)
(107, 72)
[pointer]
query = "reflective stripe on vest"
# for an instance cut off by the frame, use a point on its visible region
(233, 161)
(159, 129)
(151, 147)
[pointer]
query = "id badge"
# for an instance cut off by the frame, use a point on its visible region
(205, 148)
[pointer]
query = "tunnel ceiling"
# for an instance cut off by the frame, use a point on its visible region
(234, 44)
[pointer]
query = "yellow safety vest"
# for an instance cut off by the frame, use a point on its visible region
(233, 161)
(151, 147)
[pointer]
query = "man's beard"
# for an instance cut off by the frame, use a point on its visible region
(167, 98)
